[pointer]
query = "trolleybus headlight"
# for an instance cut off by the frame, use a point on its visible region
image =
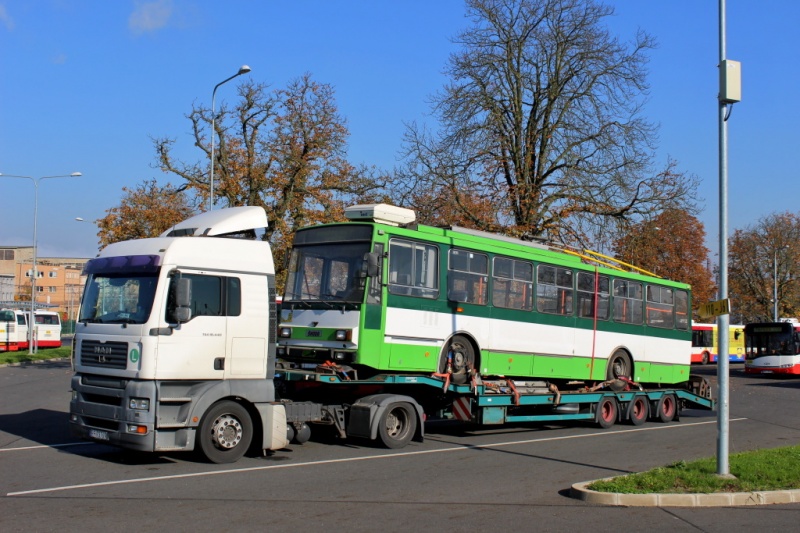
(285, 332)
(142, 404)
(344, 334)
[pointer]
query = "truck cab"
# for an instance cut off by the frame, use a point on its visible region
(176, 334)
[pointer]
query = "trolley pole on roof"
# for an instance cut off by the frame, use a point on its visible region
(729, 93)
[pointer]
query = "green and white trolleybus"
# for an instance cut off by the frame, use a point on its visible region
(381, 293)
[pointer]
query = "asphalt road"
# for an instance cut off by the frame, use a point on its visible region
(460, 479)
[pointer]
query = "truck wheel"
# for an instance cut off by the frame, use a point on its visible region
(666, 408)
(397, 426)
(619, 366)
(606, 414)
(225, 432)
(463, 359)
(638, 410)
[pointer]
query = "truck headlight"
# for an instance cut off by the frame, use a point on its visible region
(285, 333)
(140, 404)
(344, 334)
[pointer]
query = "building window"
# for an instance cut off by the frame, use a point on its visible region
(53, 274)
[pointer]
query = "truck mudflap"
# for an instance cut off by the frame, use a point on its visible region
(394, 419)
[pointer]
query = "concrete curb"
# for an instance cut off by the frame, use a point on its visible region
(717, 499)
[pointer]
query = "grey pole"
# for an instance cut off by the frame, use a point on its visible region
(244, 69)
(32, 348)
(722, 320)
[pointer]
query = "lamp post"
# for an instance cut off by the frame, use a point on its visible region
(775, 282)
(32, 319)
(244, 69)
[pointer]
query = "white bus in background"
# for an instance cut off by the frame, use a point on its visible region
(48, 329)
(13, 330)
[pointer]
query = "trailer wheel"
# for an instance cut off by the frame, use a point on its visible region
(638, 410)
(667, 408)
(397, 426)
(463, 359)
(607, 411)
(619, 366)
(225, 432)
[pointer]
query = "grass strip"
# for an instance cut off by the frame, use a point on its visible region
(758, 470)
(22, 356)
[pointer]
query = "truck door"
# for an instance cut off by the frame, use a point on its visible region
(196, 348)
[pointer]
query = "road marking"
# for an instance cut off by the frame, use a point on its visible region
(353, 459)
(46, 446)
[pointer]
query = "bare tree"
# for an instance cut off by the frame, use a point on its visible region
(542, 120)
(764, 260)
(284, 151)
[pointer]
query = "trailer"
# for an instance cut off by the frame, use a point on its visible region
(393, 408)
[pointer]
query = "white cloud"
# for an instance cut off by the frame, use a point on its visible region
(150, 16)
(5, 18)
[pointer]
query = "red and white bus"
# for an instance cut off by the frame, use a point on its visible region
(13, 330)
(772, 348)
(48, 329)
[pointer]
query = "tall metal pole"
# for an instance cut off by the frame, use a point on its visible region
(775, 286)
(244, 69)
(723, 320)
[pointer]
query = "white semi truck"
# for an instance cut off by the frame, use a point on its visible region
(175, 350)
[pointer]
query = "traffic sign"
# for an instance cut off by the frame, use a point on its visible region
(720, 307)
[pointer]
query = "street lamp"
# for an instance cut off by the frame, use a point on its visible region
(775, 282)
(32, 319)
(244, 69)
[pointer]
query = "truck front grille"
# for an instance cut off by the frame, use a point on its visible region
(104, 354)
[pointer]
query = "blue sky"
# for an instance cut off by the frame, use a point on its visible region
(87, 83)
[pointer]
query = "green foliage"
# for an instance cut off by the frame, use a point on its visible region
(775, 469)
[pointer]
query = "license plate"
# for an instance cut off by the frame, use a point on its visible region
(97, 434)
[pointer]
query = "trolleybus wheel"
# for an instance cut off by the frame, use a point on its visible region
(638, 410)
(607, 410)
(225, 432)
(397, 425)
(667, 408)
(619, 366)
(462, 359)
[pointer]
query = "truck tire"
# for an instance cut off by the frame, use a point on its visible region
(607, 412)
(397, 425)
(225, 433)
(638, 410)
(666, 408)
(619, 366)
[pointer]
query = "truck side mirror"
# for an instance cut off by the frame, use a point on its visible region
(183, 300)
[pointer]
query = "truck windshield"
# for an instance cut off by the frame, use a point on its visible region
(326, 273)
(118, 298)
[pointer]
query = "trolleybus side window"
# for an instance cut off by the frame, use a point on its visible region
(660, 307)
(586, 296)
(627, 301)
(413, 269)
(554, 290)
(512, 284)
(682, 310)
(468, 276)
